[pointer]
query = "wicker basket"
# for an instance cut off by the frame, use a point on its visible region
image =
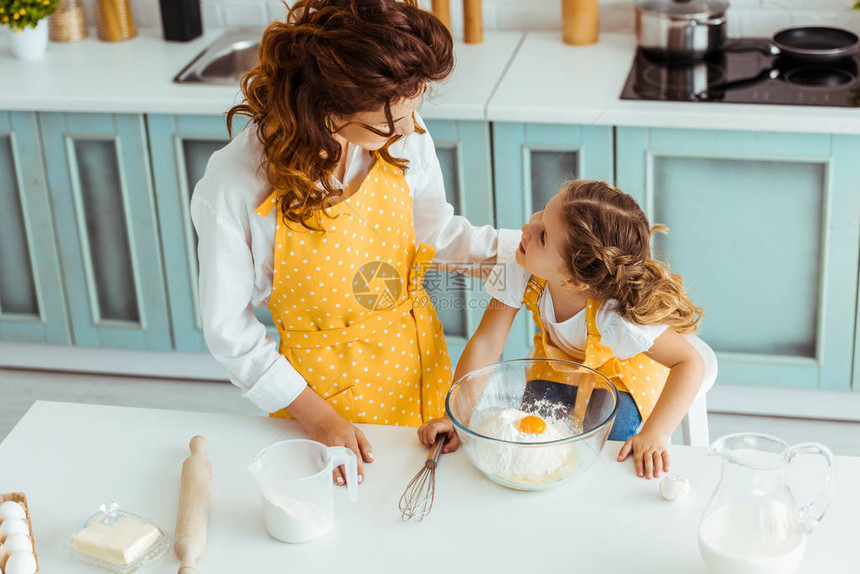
(114, 20)
(67, 23)
(22, 500)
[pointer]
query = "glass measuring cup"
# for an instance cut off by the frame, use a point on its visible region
(295, 480)
(752, 524)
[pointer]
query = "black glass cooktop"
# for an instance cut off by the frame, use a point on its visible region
(745, 77)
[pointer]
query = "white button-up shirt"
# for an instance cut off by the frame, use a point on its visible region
(236, 252)
(508, 281)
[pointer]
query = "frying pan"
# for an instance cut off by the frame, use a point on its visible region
(810, 75)
(812, 44)
(813, 56)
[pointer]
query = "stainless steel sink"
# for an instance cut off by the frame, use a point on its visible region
(226, 59)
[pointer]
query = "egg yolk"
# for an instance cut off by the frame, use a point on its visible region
(532, 424)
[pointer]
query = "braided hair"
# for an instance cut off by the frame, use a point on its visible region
(608, 249)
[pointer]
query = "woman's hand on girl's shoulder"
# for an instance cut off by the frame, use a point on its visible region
(650, 451)
(430, 431)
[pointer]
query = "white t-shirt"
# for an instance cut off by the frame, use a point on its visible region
(507, 283)
(236, 251)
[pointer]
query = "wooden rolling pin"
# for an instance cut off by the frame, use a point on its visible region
(190, 538)
(473, 22)
(442, 10)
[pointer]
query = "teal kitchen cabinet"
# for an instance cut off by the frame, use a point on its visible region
(764, 230)
(463, 148)
(180, 147)
(530, 163)
(32, 305)
(104, 216)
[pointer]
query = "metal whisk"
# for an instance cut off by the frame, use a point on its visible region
(417, 500)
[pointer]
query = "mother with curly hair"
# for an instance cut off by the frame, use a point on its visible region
(333, 190)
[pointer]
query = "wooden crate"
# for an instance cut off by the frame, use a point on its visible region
(22, 500)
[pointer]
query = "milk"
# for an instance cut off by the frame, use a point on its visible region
(293, 520)
(752, 539)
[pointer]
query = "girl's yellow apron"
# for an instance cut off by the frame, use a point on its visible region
(351, 309)
(639, 375)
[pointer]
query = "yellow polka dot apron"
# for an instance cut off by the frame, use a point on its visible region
(639, 375)
(352, 313)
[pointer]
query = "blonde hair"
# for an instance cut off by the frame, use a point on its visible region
(609, 250)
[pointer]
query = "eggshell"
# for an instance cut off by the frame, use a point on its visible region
(21, 562)
(14, 526)
(11, 509)
(18, 542)
(674, 487)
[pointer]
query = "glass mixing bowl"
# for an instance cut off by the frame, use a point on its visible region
(575, 403)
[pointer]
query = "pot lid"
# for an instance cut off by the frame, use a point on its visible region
(683, 7)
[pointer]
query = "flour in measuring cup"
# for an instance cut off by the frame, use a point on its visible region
(293, 520)
(533, 465)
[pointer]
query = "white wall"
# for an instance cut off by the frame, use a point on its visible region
(746, 17)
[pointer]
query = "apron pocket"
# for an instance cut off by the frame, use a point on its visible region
(344, 403)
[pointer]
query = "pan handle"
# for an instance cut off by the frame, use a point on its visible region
(715, 92)
(763, 45)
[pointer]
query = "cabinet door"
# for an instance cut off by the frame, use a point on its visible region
(764, 230)
(181, 147)
(463, 148)
(100, 188)
(32, 307)
(531, 162)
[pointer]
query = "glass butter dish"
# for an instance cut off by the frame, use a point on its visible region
(117, 541)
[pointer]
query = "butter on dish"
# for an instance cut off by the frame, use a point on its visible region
(118, 541)
(121, 542)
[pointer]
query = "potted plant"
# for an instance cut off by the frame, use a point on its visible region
(27, 20)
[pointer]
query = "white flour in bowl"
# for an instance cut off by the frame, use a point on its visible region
(517, 464)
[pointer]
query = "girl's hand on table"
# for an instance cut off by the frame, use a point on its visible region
(650, 453)
(428, 432)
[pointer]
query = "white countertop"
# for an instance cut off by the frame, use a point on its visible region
(509, 77)
(136, 76)
(68, 458)
(551, 82)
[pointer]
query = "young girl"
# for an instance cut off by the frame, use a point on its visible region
(585, 272)
(327, 208)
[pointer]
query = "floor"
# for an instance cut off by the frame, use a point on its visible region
(20, 388)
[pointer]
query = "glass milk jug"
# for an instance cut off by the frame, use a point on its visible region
(752, 524)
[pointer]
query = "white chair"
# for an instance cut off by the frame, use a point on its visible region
(694, 427)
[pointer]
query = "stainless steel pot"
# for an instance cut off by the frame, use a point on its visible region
(680, 29)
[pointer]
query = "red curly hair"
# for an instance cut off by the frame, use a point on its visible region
(334, 58)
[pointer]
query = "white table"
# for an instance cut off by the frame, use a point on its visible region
(68, 458)
(136, 76)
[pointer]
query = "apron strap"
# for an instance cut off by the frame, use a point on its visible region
(533, 291)
(265, 208)
(591, 307)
